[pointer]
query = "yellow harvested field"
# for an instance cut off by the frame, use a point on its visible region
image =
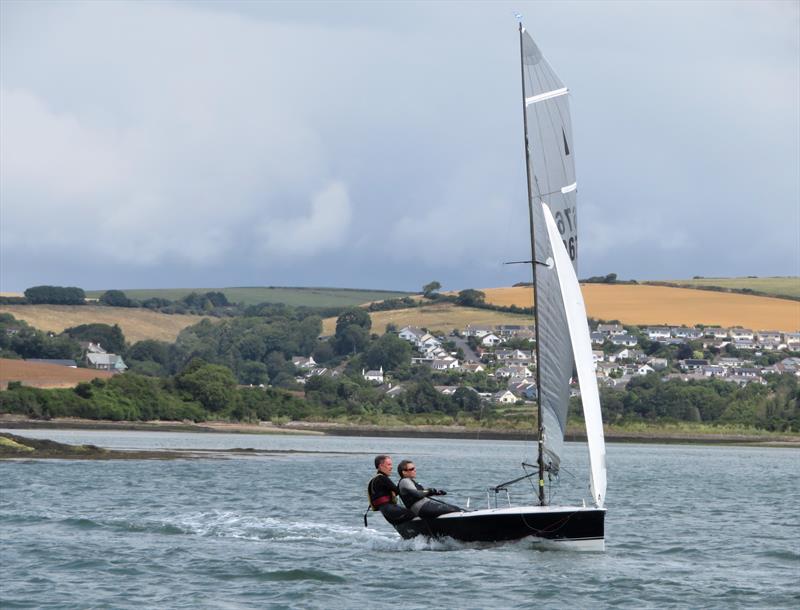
(41, 375)
(653, 305)
(443, 317)
(136, 324)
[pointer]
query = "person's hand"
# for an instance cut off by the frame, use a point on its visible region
(441, 492)
(433, 491)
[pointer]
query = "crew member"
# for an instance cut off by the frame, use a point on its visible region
(416, 498)
(383, 493)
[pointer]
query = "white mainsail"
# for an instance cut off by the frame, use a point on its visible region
(575, 310)
(551, 174)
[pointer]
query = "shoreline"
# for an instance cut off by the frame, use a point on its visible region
(404, 431)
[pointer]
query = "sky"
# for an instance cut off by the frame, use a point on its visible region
(379, 145)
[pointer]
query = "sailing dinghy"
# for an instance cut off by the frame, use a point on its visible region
(562, 335)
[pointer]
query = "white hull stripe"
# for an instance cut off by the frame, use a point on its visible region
(570, 188)
(546, 96)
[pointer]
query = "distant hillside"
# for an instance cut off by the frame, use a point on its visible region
(788, 286)
(652, 305)
(440, 316)
(136, 324)
(310, 297)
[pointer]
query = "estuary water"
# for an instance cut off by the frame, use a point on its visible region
(687, 526)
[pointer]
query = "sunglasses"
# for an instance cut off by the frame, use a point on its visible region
(412, 468)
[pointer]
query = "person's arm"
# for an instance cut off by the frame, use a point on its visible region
(409, 490)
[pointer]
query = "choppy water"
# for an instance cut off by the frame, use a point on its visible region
(687, 526)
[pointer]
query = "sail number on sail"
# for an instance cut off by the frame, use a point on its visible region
(570, 244)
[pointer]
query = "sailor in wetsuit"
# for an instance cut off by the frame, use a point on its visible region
(417, 498)
(383, 493)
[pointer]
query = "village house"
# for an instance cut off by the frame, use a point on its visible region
(301, 362)
(684, 332)
(395, 391)
(523, 390)
(623, 339)
(644, 369)
(411, 334)
(89, 347)
(477, 331)
(744, 344)
(658, 333)
(741, 334)
(658, 364)
(513, 370)
(106, 362)
(714, 370)
(716, 332)
(490, 340)
(375, 376)
(473, 367)
(692, 364)
(792, 340)
(513, 355)
(508, 331)
(610, 329)
(444, 364)
(504, 397)
(597, 338)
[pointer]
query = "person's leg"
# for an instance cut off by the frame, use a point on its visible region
(395, 514)
(433, 509)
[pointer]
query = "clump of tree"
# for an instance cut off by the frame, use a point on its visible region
(20, 340)
(55, 295)
(352, 331)
(110, 338)
(429, 290)
(611, 278)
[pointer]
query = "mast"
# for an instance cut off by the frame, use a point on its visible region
(540, 443)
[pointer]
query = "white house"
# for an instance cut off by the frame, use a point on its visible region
(623, 339)
(490, 340)
(741, 334)
(301, 362)
(610, 329)
(411, 333)
(473, 367)
(644, 369)
(686, 332)
(792, 340)
(504, 397)
(657, 333)
(477, 331)
(376, 376)
(444, 364)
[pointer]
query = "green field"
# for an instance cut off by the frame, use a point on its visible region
(787, 286)
(310, 297)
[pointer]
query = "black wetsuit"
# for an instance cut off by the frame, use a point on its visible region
(416, 499)
(383, 496)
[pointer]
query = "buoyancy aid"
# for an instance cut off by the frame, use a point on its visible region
(378, 497)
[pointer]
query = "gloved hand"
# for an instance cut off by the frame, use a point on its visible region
(441, 492)
(432, 491)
